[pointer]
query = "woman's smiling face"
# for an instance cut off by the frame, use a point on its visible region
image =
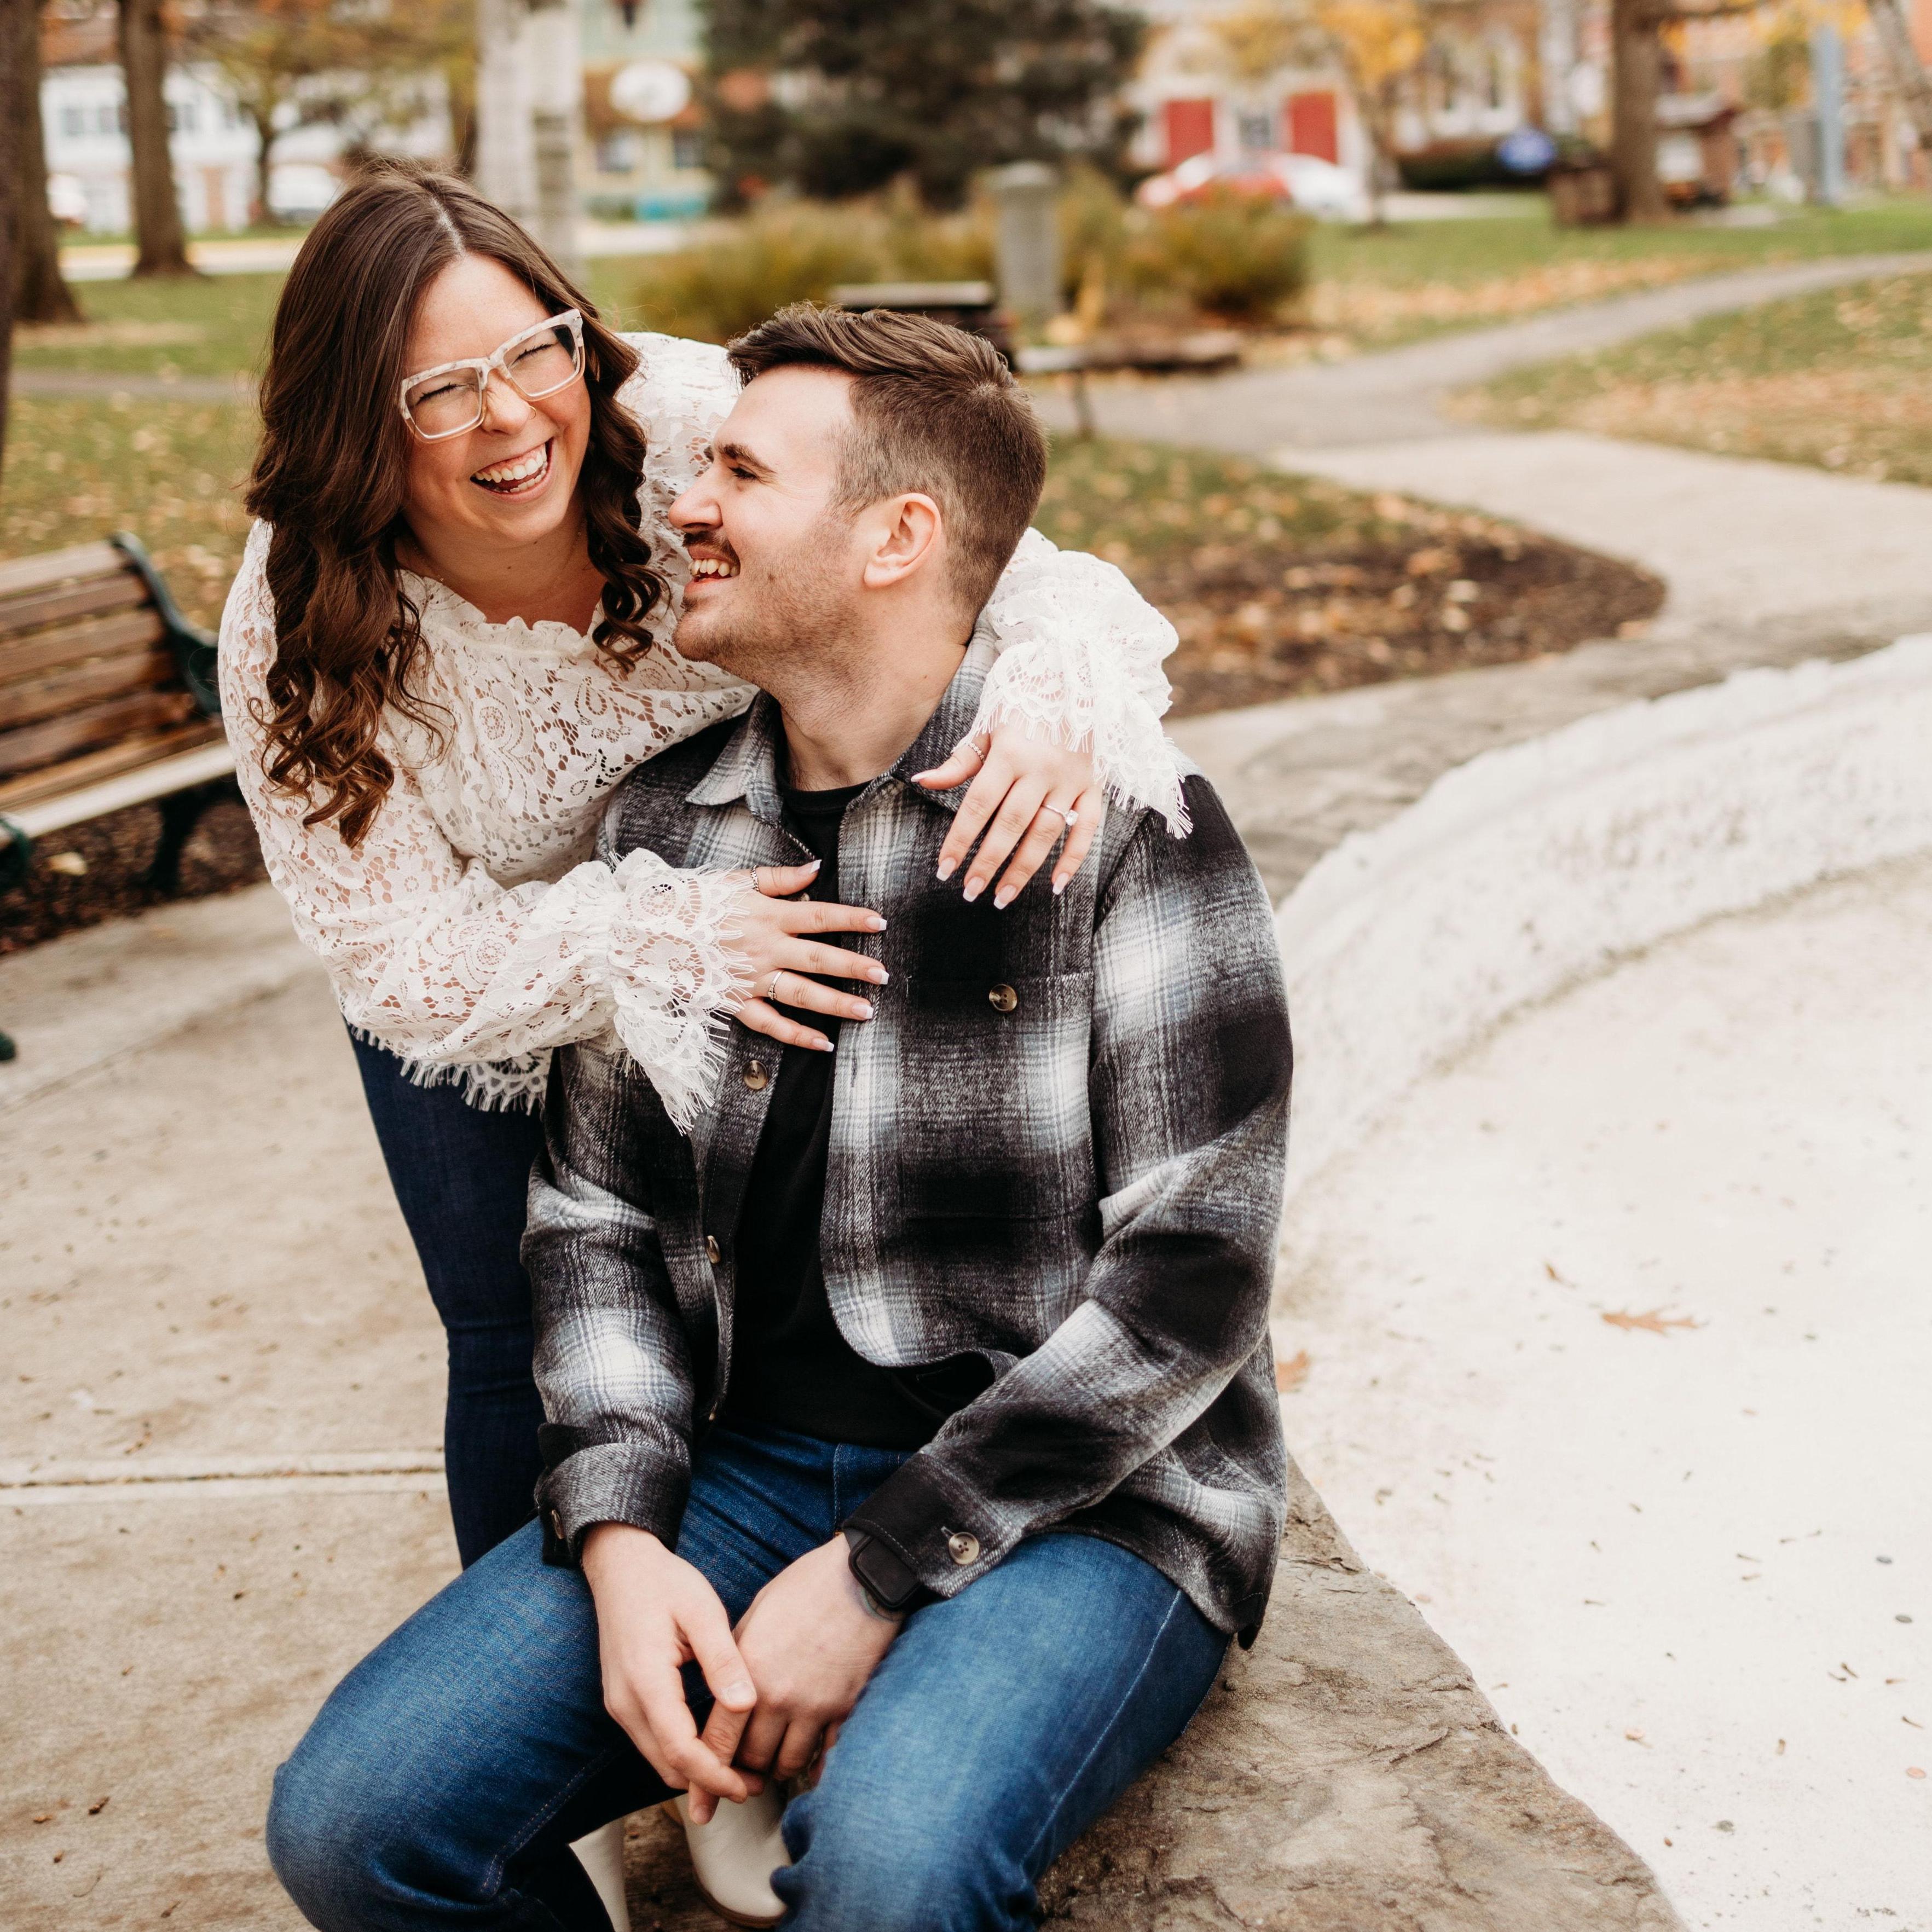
(511, 480)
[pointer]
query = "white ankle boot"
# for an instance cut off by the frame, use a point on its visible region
(736, 1854)
(602, 1856)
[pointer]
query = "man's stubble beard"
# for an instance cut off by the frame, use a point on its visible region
(784, 621)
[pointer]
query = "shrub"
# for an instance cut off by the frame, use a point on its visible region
(1094, 237)
(789, 251)
(795, 252)
(1238, 256)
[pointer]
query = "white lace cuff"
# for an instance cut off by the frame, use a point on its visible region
(1080, 652)
(673, 981)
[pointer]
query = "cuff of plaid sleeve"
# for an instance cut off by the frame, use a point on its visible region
(608, 1482)
(944, 1537)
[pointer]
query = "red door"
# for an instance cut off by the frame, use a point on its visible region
(1190, 128)
(1311, 126)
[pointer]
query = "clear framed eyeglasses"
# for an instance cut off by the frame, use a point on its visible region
(448, 400)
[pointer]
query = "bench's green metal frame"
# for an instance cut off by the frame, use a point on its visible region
(195, 652)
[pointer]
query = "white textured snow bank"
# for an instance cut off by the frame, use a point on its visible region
(1533, 867)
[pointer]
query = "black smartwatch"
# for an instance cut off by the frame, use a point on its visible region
(885, 1577)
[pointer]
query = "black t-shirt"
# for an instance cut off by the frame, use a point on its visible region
(791, 1367)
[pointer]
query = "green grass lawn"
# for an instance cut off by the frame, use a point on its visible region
(1378, 287)
(1139, 504)
(1372, 288)
(202, 325)
(1841, 379)
(172, 472)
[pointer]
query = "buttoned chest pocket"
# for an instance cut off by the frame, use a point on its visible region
(993, 1121)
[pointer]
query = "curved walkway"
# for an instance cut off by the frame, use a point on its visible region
(1391, 396)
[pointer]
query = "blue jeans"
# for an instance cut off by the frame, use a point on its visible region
(445, 1779)
(462, 1178)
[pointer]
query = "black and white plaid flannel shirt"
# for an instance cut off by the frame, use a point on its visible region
(1059, 1144)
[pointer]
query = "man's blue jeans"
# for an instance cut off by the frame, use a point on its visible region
(443, 1781)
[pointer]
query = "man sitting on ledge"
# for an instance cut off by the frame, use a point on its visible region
(919, 1409)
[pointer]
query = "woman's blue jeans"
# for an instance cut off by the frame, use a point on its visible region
(462, 1178)
(445, 1779)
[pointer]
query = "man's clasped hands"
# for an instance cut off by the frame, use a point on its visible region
(783, 1681)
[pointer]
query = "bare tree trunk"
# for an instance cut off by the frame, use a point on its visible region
(162, 242)
(11, 11)
(265, 153)
(1908, 71)
(1637, 67)
(37, 292)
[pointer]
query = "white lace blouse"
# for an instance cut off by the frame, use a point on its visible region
(470, 932)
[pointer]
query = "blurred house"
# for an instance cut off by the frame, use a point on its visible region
(1735, 114)
(213, 145)
(642, 155)
(1195, 95)
(1208, 86)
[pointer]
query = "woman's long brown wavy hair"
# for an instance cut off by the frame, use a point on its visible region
(334, 451)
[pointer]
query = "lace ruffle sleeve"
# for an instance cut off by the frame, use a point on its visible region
(465, 979)
(1080, 663)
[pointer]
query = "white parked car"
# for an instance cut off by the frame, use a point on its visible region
(1319, 188)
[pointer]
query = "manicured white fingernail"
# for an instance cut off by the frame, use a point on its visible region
(865, 1010)
(974, 887)
(1059, 885)
(947, 867)
(1003, 898)
(878, 976)
(875, 924)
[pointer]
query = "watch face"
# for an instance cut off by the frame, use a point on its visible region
(889, 1582)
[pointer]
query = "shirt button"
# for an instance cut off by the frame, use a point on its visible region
(713, 1252)
(755, 1077)
(963, 1547)
(1003, 999)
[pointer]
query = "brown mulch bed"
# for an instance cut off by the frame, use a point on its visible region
(55, 898)
(1258, 622)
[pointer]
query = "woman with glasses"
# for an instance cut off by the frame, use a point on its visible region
(448, 640)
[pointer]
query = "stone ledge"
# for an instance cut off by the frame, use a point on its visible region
(1346, 1775)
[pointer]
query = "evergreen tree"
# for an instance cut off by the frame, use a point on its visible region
(837, 98)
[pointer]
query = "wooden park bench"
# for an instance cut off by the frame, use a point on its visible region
(107, 700)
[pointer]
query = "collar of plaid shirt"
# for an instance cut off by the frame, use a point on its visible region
(748, 768)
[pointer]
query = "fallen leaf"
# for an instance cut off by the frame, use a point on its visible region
(1913, 1771)
(41, 1817)
(95, 1810)
(1652, 1321)
(1290, 1375)
(1912, 1721)
(1549, 1270)
(1636, 1737)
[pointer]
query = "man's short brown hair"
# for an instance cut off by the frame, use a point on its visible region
(935, 410)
